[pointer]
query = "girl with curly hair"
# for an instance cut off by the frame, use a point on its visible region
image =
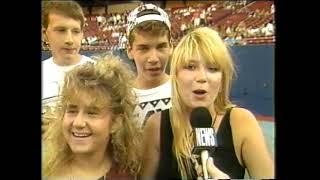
(92, 134)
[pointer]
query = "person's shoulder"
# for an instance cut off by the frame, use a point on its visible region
(240, 111)
(47, 62)
(243, 123)
(241, 115)
(48, 66)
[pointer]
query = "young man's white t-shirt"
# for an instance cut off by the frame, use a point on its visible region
(151, 101)
(52, 79)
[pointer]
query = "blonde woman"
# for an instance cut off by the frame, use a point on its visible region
(93, 135)
(202, 71)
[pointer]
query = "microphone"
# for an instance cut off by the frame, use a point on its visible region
(203, 134)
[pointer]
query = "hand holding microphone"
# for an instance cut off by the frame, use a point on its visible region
(205, 143)
(213, 171)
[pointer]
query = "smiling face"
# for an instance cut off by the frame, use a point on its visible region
(86, 126)
(198, 82)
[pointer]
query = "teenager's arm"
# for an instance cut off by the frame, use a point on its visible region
(151, 147)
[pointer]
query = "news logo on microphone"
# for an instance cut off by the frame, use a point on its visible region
(204, 139)
(203, 134)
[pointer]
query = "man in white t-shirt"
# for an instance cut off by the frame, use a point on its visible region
(149, 45)
(62, 30)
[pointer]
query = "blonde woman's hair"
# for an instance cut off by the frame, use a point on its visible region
(207, 43)
(108, 83)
